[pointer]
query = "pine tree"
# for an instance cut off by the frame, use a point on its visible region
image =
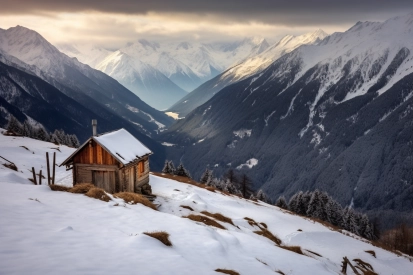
(27, 129)
(14, 125)
(292, 204)
(206, 176)
(172, 166)
(301, 206)
(230, 187)
(54, 139)
(316, 207)
(334, 212)
(167, 168)
(281, 202)
(252, 197)
(41, 134)
(262, 196)
(181, 171)
(75, 141)
(230, 175)
(351, 222)
(245, 186)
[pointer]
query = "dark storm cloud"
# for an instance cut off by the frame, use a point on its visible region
(289, 12)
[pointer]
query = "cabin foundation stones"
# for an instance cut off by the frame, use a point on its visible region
(114, 161)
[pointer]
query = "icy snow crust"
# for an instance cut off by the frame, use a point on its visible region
(123, 146)
(46, 232)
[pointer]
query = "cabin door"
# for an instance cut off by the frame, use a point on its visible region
(104, 180)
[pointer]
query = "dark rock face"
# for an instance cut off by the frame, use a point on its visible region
(358, 149)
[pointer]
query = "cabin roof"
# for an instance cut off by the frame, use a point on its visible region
(124, 147)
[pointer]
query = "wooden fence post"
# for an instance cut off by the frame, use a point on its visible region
(344, 266)
(40, 177)
(54, 167)
(34, 176)
(48, 168)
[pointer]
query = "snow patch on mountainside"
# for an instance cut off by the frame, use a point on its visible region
(243, 133)
(248, 164)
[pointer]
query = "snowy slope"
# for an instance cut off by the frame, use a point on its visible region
(46, 232)
(261, 59)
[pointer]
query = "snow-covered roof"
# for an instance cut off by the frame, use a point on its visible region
(120, 144)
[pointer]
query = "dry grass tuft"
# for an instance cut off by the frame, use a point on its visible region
(227, 271)
(98, 193)
(81, 188)
(186, 207)
(205, 220)
(133, 198)
(312, 252)
(264, 224)
(280, 272)
(261, 261)
(11, 166)
(294, 248)
(162, 236)
(251, 221)
(365, 267)
(266, 233)
(210, 188)
(371, 252)
(218, 217)
(61, 188)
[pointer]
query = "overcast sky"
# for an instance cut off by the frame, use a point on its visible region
(113, 23)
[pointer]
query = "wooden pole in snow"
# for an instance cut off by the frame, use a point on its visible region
(54, 167)
(40, 177)
(48, 168)
(34, 176)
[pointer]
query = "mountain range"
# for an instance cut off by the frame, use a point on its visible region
(41, 84)
(336, 115)
(248, 67)
(168, 70)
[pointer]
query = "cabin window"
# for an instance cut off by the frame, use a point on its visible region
(141, 167)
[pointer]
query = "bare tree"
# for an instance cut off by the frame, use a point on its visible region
(245, 186)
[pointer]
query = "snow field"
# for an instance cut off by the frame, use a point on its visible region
(47, 232)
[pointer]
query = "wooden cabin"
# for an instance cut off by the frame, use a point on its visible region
(114, 161)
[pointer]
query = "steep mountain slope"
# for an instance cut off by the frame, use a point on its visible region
(260, 60)
(142, 79)
(45, 231)
(335, 116)
(76, 91)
